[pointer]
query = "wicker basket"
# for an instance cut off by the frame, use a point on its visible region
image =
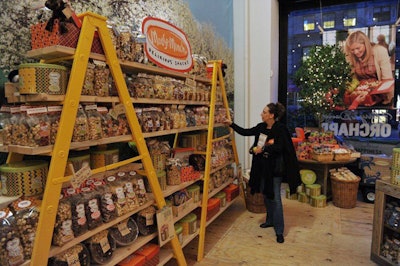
(254, 202)
(322, 157)
(342, 156)
(344, 193)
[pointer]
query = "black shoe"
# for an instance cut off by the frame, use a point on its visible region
(280, 239)
(266, 225)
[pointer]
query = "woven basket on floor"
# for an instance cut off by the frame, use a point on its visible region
(344, 192)
(254, 202)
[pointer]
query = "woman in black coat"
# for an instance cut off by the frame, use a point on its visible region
(274, 160)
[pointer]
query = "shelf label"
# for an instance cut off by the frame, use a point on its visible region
(166, 45)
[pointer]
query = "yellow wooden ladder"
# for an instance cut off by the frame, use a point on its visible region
(217, 82)
(59, 155)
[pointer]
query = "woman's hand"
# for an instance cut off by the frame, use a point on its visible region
(257, 150)
(227, 122)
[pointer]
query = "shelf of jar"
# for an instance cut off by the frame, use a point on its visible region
(172, 189)
(56, 53)
(216, 169)
(136, 245)
(221, 187)
(176, 131)
(188, 209)
(13, 96)
(46, 150)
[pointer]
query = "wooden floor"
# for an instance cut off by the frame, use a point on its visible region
(313, 236)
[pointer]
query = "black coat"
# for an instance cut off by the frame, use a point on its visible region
(264, 164)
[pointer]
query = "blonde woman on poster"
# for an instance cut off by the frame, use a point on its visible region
(373, 82)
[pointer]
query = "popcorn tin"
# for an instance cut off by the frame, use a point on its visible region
(23, 178)
(42, 78)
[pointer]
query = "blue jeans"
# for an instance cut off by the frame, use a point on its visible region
(274, 208)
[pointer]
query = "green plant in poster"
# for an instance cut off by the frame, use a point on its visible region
(322, 79)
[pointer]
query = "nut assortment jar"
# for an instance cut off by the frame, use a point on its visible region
(94, 122)
(146, 222)
(125, 232)
(39, 126)
(78, 211)
(189, 224)
(101, 247)
(100, 158)
(88, 84)
(75, 255)
(20, 128)
(118, 194)
(92, 207)
(23, 178)
(54, 115)
(11, 250)
(101, 79)
(5, 125)
(81, 126)
(173, 166)
(26, 213)
(63, 232)
(107, 205)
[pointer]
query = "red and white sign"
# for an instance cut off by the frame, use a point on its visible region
(166, 45)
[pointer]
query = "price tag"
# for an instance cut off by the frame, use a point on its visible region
(117, 110)
(105, 245)
(123, 229)
(79, 177)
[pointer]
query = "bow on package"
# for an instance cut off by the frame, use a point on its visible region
(61, 12)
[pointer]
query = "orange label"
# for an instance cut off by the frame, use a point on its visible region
(167, 42)
(166, 45)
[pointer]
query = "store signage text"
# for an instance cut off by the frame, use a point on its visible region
(353, 124)
(166, 45)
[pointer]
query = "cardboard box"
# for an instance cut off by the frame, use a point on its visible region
(232, 191)
(151, 252)
(375, 167)
(133, 260)
(177, 210)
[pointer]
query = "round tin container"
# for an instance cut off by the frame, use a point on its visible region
(26, 178)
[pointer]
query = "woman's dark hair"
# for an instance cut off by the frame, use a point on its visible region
(277, 109)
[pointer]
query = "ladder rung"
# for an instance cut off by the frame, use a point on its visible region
(221, 138)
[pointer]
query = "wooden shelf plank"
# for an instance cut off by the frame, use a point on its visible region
(122, 252)
(51, 53)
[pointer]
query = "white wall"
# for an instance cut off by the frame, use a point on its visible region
(256, 50)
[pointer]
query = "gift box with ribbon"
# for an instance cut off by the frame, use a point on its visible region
(40, 37)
